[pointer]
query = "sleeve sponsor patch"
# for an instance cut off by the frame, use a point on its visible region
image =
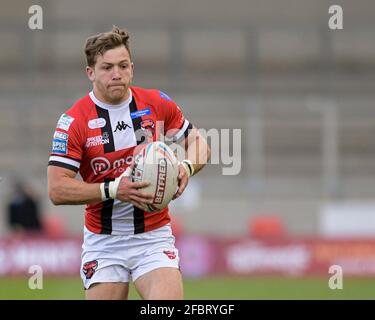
(64, 122)
(60, 146)
(60, 136)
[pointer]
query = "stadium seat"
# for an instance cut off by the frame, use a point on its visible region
(266, 226)
(177, 225)
(54, 226)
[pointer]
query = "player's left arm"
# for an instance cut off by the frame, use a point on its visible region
(198, 153)
(181, 131)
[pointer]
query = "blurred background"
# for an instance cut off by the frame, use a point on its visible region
(301, 93)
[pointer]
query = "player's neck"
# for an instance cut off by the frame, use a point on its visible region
(103, 104)
(102, 99)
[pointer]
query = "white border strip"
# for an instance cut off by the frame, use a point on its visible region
(65, 160)
(181, 132)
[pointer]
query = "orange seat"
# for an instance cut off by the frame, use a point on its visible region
(177, 224)
(54, 226)
(266, 226)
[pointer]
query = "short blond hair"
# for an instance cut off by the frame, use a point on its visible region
(100, 43)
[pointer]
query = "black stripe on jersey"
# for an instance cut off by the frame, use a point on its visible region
(188, 130)
(107, 129)
(186, 133)
(139, 135)
(139, 220)
(106, 213)
(63, 165)
(139, 214)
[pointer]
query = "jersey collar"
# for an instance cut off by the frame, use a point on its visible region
(107, 106)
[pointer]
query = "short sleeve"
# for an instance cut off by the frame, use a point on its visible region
(176, 126)
(66, 144)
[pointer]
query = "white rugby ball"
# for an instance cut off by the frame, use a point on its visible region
(157, 164)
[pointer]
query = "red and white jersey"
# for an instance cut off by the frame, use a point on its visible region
(99, 141)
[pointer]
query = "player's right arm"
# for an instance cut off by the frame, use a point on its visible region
(64, 163)
(64, 188)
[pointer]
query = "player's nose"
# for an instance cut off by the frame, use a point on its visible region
(116, 75)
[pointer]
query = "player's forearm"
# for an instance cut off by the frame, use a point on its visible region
(70, 191)
(198, 152)
(203, 157)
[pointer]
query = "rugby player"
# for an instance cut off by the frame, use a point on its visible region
(97, 137)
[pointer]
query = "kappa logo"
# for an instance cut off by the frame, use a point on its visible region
(121, 125)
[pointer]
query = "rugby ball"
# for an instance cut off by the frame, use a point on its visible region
(157, 164)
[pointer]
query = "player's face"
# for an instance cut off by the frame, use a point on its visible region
(112, 75)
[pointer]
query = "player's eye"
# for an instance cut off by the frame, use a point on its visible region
(124, 66)
(107, 68)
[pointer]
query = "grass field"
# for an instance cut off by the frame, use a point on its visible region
(211, 288)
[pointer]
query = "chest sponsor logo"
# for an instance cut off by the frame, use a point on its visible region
(101, 165)
(121, 125)
(97, 140)
(140, 113)
(97, 123)
(64, 122)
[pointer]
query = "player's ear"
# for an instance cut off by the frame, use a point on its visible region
(90, 73)
(132, 68)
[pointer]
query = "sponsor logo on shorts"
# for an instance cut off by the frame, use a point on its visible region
(89, 268)
(64, 122)
(170, 254)
(97, 123)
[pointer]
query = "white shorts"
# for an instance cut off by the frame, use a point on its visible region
(116, 258)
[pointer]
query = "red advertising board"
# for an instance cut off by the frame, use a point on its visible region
(203, 256)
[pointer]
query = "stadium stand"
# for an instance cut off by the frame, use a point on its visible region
(301, 93)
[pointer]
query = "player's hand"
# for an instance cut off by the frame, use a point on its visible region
(129, 191)
(183, 180)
